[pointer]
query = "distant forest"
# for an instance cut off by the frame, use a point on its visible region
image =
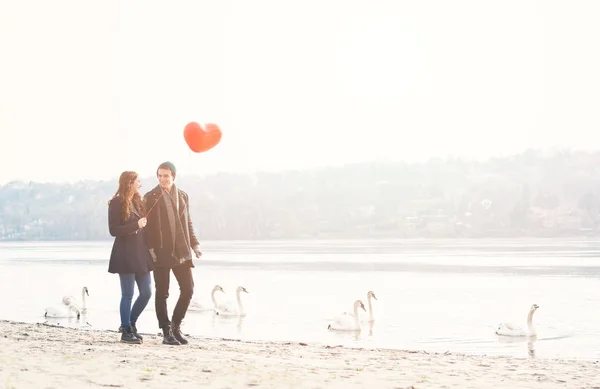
(526, 195)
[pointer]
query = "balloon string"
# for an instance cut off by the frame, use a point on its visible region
(163, 191)
(156, 201)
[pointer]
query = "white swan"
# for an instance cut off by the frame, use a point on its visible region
(66, 312)
(230, 308)
(509, 329)
(70, 300)
(197, 307)
(347, 321)
(371, 295)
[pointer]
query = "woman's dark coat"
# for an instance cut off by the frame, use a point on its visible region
(129, 252)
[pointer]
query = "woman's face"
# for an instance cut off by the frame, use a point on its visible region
(136, 185)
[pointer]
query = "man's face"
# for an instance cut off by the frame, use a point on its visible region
(165, 178)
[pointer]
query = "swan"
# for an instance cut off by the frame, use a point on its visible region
(53, 312)
(229, 308)
(371, 295)
(347, 321)
(508, 329)
(69, 300)
(195, 306)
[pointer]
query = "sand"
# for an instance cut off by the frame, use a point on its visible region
(42, 356)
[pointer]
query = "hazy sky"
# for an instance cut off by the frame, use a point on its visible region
(89, 89)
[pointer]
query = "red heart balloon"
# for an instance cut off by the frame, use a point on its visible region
(201, 138)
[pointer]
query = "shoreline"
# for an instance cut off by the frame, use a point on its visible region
(36, 355)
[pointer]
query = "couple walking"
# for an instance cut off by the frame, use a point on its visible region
(152, 234)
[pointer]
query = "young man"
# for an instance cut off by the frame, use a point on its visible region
(171, 239)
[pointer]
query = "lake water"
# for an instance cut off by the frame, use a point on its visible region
(434, 295)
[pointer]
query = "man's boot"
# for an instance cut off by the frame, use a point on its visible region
(168, 337)
(176, 328)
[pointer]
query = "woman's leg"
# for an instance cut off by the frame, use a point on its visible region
(127, 286)
(144, 283)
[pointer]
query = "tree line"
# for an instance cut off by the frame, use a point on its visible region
(528, 194)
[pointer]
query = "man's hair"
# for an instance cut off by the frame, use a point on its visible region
(168, 165)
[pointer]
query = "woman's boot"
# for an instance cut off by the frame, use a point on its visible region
(135, 332)
(128, 337)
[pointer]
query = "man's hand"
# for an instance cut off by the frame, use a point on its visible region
(197, 252)
(152, 254)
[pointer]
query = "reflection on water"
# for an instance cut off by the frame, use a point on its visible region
(431, 295)
(528, 341)
(224, 321)
(530, 348)
(71, 322)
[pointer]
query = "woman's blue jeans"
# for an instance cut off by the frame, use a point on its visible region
(129, 314)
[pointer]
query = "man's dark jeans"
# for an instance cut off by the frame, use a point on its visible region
(162, 275)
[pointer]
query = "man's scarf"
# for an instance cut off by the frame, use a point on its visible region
(181, 248)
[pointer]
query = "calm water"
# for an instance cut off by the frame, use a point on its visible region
(443, 295)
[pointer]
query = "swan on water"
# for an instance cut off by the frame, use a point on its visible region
(509, 329)
(70, 300)
(347, 321)
(371, 295)
(63, 312)
(231, 308)
(197, 307)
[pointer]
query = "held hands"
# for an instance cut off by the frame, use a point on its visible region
(142, 222)
(197, 252)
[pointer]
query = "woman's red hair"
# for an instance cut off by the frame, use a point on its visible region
(129, 195)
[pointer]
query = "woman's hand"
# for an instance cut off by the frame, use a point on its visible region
(142, 222)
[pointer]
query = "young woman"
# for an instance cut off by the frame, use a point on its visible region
(130, 258)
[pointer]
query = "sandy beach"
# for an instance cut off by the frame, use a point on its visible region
(43, 356)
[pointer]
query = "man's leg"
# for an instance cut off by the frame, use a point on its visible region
(183, 273)
(161, 283)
